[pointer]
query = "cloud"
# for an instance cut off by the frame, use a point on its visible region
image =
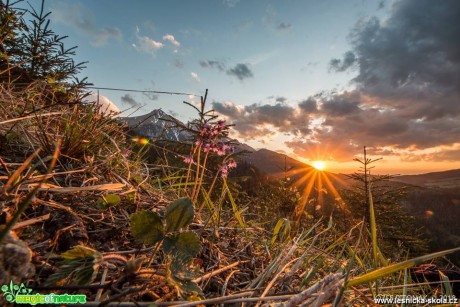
(195, 76)
(281, 99)
(170, 38)
(339, 105)
(348, 60)
(146, 44)
(262, 120)
(447, 155)
(407, 87)
(241, 71)
(213, 64)
(107, 107)
(83, 20)
(128, 99)
(230, 3)
(150, 95)
(308, 105)
(271, 21)
(284, 26)
(404, 100)
(178, 63)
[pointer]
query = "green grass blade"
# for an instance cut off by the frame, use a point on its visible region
(234, 206)
(373, 229)
(379, 273)
(406, 281)
(446, 284)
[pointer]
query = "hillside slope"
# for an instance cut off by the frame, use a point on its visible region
(445, 179)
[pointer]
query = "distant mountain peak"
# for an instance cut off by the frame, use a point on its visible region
(156, 125)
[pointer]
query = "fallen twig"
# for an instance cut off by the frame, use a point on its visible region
(31, 221)
(27, 117)
(297, 299)
(55, 189)
(218, 271)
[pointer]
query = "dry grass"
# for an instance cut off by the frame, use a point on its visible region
(56, 194)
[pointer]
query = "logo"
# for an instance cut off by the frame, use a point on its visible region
(22, 295)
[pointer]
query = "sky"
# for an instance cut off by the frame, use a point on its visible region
(317, 80)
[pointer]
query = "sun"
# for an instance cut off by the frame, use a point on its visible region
(319, 165)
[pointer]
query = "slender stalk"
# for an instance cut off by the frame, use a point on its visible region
(200, 182)
(210, 190)
(196, 173)
(192, 153)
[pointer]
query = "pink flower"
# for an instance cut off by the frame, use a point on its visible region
(220, 124)
(220, 151)
(206, 147)
(125, 153)
(188, 159)
(198, 142)
(224, 170)
(231, 164)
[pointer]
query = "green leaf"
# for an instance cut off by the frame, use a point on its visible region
(80, 251)
(109, 200)
(179, 214)
(189, 290)
(185, 244)
(180, 273)
(146, 227)
(80, 266)
(131, 197)
(181, 268)
(282, 230)
(80, 271)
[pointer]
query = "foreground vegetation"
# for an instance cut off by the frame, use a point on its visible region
(82, 211)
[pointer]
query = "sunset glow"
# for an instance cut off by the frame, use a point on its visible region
(339, 96)
(319, 165)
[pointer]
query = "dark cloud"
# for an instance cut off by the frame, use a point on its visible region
(254, 120)
(449, 155)
(412, 59)
(284, 26)
(309, 105)
(213, 64)
(150, 95)
(341, 104)
(241, 71)
(128, 99)
(178, 63)
(281, 99)
(83, 20)
(348, 60)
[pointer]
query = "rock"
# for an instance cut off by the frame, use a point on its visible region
(15, 260)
